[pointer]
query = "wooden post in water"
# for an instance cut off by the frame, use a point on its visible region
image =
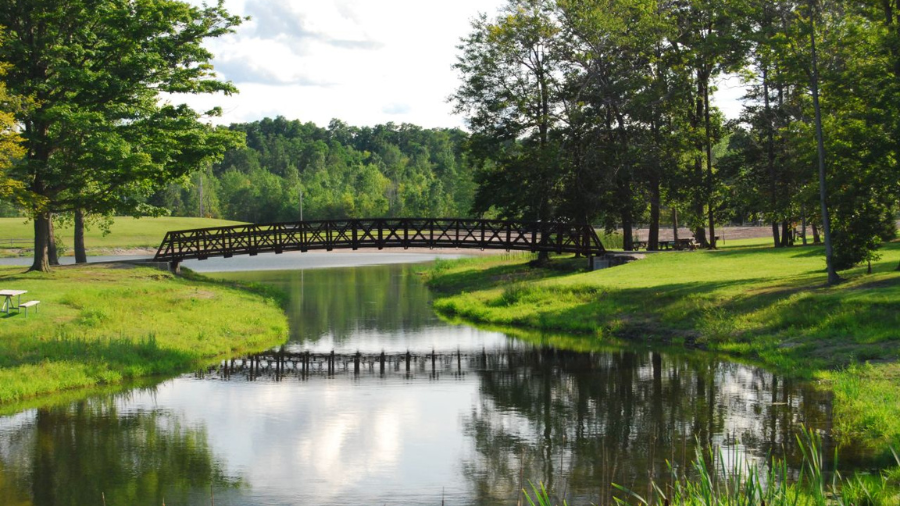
(408, 360)
(433, 354)
(356, 363)
(382, 361)
(458, 361)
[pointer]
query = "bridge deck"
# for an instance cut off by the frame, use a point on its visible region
(379, 233)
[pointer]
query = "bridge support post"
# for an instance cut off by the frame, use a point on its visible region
(175, 267)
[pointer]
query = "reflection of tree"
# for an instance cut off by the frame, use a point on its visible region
(579, 422)
(387, 298)
(72, 455)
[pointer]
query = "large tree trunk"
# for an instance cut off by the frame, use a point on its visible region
(674, 226)
(710, 184)
(653, 236)
(41, 243)
(803, 219)
(787, 237)
(80, 252)
(770, 156)
(833, 277)
(52, 253)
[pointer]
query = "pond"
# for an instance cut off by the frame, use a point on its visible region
(474, 426)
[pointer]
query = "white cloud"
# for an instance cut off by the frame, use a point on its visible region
(361, 61)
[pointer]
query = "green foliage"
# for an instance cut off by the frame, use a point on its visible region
(97, 135)
(341, 171)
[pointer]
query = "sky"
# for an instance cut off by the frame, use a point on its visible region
(365, 62)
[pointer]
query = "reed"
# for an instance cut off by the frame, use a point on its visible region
(718, 478)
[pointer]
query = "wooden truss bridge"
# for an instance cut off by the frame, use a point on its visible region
(555, 237)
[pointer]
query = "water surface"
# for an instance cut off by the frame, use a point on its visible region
(489, 415)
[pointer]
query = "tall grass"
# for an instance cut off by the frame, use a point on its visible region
(715, 478)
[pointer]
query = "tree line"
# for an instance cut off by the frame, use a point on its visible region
(594, 111)
(601, 110)
(339, 172)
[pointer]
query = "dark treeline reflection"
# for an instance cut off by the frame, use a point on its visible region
(580, 423)
(342, 302)
(90, 450)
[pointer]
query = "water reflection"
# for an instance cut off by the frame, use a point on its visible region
(368, 309)
(575, 421)
(100, 449)
(578, 425)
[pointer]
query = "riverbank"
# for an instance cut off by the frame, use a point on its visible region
(100, 324)
(764, 305)
(127, 236)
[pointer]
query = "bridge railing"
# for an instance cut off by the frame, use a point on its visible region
(378, 233)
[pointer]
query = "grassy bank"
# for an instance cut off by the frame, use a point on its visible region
(125, 233)
(764, 305)
(102, 324)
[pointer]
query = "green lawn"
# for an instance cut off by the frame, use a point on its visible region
(765, 305)
(101, 324)
(125, 232)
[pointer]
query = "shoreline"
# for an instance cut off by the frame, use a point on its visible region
(766, 306)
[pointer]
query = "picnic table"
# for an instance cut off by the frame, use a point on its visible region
(685, 244)
(7, 299)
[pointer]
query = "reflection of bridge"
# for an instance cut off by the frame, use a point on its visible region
(379, 233)
(278, 364)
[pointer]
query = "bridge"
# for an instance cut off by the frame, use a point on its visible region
(380, 233)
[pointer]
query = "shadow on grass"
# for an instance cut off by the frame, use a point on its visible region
(497, 276)
(130, 358)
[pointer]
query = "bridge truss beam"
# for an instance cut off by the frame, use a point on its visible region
(378, 233)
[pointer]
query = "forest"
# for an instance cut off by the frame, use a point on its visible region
(341, 172)
(594, 111)
(601, 110)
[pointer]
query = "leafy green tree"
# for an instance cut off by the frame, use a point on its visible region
(97, 135)
(510, 93)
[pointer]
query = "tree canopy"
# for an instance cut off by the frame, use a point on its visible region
(98, 133)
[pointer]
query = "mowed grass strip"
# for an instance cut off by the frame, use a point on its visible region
(125, 232)
(769, 306)
(104, 323)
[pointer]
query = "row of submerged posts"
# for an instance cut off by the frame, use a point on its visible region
(281, 364)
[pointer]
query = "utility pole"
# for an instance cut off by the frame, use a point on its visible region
(201, 194)
(301, 204)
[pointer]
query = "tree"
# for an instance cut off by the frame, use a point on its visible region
(98, 136)
(10, 142)
(510, 92)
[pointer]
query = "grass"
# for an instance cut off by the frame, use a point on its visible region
(763, 305)
(125, 233)
(105, 323)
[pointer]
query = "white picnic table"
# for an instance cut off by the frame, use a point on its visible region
(7, 299)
